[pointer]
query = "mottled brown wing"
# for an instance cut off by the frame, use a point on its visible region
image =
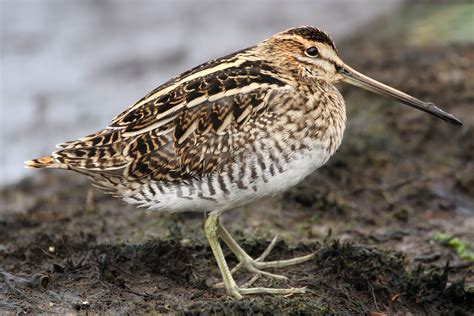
(188, 127)
(202, 139)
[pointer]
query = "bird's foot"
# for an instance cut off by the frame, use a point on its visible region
(255, 266)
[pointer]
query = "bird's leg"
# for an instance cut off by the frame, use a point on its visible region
(211, 228)
(255, 265)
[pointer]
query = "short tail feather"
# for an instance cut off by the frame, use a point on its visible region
(44, 162)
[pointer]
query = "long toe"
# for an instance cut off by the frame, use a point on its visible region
(266, 290)
(267, 274)
(282, 263)
(237, 292)
(256, 275)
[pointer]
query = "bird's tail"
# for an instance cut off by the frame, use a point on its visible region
(45, 162)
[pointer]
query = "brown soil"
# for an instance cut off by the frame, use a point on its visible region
(370, 214)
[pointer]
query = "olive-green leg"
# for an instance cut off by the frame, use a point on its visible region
(214, 230)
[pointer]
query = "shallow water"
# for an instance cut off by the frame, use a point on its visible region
(69, 66)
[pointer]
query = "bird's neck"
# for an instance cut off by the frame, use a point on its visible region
(325, 114)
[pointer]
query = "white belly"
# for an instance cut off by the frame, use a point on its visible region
(234, 186)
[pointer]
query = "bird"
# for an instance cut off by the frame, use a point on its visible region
(226, 133)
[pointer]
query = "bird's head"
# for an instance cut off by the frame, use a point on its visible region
(311, 55)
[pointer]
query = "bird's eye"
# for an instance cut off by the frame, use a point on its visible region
(312, 51)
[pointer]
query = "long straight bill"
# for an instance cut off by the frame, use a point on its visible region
(356, 78)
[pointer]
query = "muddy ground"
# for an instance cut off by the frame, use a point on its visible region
(373, 215)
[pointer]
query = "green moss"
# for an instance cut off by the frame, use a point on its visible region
(460, 246)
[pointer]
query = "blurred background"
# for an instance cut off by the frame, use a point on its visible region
(67, 67)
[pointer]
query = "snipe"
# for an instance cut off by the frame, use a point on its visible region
(226, 133)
